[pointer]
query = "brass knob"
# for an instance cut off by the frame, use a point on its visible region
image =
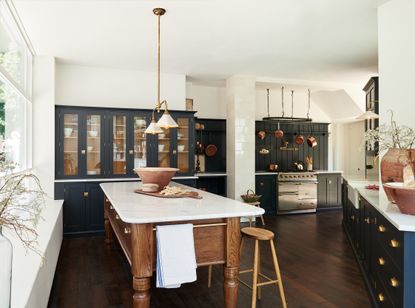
(111, 208)
(381, 297)
(381, 228)
(381, 261)
(127, 230)
(83, 152)
(86, 194)
(352, 217)
(131, 152)
(106, 200)
(117, 217)
(367, 220)
(394, 282)
(174, 152)
(394, 243)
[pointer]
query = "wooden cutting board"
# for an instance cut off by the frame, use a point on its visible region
(192, 194)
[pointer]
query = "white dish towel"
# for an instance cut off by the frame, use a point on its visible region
(176, 258)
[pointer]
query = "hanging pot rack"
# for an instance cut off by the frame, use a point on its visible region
(283, 118)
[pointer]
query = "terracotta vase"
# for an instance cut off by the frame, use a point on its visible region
(392, 164)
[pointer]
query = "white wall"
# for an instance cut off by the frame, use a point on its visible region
(396, 22)
(44, 121)
(208, 101)
(106, 87)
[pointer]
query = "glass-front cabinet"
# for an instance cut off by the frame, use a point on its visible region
(106, 143)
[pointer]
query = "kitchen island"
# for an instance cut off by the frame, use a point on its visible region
(132, 217)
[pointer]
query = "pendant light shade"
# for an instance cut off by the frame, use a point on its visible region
(368, 115)
(166, 121)
(153, 128)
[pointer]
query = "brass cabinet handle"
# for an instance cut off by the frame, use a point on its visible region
(86, 194)
(381, 297)
(381, 261)
(106, 200)
(261, 183)
(174, 152)
(382, 228)
(394, 282)
(131, 152)
(394, 243)
(111, 208)
(329, 182)
(83, 152)
(352, 217)
(117, 217)
(367, 220)
(127, 230)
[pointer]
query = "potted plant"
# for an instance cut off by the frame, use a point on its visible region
(397, 142)
(21, 200)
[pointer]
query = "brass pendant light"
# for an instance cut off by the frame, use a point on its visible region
(166, 121)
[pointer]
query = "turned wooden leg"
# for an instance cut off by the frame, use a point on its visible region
(259, 270)
(210, 276)
(231, 269)
(278, 273)
(141, 297)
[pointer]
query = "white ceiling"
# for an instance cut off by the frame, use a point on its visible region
(212, 39)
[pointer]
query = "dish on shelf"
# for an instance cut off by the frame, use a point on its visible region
(93, 133)
(91, 172)
(89, 148)
(67, 131)
(162, 136)
(161, 147)
(181, 147)
(404, 197)
(140, 122)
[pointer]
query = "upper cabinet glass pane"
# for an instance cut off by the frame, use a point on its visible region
(15, 58)
(70, 144)
(140, 142)
(119, 158)
(183, 145)
(164, 149)
(93, 145)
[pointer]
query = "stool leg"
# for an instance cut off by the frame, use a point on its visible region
(255, 275)
(210, 276)
(262, 219)
(278, 273)
(259, 269)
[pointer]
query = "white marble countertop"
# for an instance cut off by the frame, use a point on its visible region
(378, 200)
(208, 174)
(137, 208)
(266, 173)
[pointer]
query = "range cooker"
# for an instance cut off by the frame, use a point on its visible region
(297, 192)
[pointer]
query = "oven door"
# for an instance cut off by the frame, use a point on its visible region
(297, 197)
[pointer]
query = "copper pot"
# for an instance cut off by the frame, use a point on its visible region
(299, 139)
(279, 134)
(272, 167)
(261, 135)
(312, 141)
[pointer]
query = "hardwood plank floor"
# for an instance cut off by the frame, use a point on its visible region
(316, 260)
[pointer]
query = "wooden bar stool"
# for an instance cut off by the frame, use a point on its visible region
(258, 234)
(257, 204)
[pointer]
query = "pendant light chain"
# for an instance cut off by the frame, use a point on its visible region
(158, 63)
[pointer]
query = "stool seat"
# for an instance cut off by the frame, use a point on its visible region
(258, 233)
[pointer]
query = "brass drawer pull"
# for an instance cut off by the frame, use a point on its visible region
(127, 230)
(381, 297)
(395, 243)
(86, 194)
(381, 261)
(382, 228)
(352, 217)
(394, 282)
(117, 217)
(111, 208)
(367, 220)
(106, 200)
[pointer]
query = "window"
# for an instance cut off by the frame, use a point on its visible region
(15, 91)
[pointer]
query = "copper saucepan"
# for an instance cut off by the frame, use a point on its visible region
(299, 139)
(312, 141)
(278, 132)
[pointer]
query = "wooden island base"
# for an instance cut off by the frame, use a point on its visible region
(216, 242)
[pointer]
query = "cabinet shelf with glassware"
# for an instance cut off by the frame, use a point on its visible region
(110, 143)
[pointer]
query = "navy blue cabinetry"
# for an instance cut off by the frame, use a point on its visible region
(266, 186)
(83, 211)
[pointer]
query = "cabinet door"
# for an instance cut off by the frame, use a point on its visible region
(183, 145)
(138, 148)
(118, 144)
(74, 208)
(322, 190)
(266, 186)
(68, 155)
(333, 189)
(94, 144)
(94, 208)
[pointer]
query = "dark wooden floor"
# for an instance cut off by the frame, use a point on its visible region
(317, 263)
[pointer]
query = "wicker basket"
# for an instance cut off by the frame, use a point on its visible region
(250, 197)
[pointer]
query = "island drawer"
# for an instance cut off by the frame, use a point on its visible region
(390, 275)
(383, 298)
(390, 239)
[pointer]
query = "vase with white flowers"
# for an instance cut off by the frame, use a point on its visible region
(21, 200)
(397, 144)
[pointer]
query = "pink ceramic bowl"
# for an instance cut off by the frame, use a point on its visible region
(156, 175)
(404, 197)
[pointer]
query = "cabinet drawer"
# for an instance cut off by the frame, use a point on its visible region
(390, 276)
(383, 298)
(391, 239)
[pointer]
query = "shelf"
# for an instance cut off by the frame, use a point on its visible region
(182, 152)
(72, 124)
(182, 139)
(119, 138)
(94, 152)
(70, 151)
(70, 137)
